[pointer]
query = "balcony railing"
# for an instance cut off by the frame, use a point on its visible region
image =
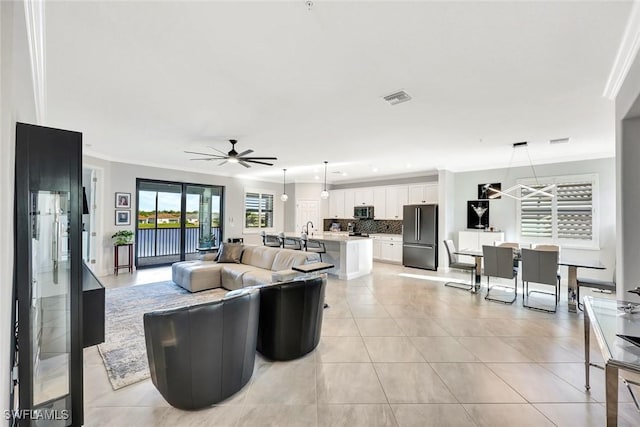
(151, 242)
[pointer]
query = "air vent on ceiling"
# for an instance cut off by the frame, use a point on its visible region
(559, 141)
(397, 97)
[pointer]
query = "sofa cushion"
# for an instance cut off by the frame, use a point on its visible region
(287, 258)
(259, 256)
(257, 277)
(231, 275)
(230, 253)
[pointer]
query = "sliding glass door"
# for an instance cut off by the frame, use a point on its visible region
(174, 220)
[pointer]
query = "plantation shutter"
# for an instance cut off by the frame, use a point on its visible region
(258, 210)
(252, 210)
(575, 210)
(266, 207)
(536, 214)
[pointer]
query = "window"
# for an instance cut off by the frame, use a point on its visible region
(568, 218)
(258, 210)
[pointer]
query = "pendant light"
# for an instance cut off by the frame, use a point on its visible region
(515, 192)
(284, 197)
(325, 194)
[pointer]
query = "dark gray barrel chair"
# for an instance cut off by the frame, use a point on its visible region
(202, 354)
(291, 318)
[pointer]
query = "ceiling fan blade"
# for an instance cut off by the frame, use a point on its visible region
(201, 154)
(260, 158)
(220, 164)
(244, 153)
(207, 159)
(255, 161)
(246, 165)
(219, 151)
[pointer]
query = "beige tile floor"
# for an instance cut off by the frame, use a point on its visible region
(397, 349)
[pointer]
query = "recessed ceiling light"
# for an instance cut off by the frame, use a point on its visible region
(316, 177)
(344, 174)
(374, 170)
(559, 141)
(408, 165)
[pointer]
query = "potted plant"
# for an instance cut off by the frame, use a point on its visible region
(122, 237)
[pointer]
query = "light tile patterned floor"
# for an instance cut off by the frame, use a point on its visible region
(397, 349)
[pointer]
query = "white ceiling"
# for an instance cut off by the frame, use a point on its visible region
(146, 81)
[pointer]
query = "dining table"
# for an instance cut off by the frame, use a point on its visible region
(571, 262)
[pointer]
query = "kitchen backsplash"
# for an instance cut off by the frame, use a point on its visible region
(369, 226)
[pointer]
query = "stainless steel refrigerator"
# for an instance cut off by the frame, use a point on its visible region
(420, 236)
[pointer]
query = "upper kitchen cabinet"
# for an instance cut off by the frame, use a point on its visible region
(363, 197)
(336, 204)
(423, 193)
(380, 203)
(396, 198)
(349, 202)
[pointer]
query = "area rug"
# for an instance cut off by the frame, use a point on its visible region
(124, 352)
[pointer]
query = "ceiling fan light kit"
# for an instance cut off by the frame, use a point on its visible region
(233, 156)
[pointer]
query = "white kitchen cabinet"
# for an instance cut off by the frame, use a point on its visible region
(336, 204)
(349, 202)
(423, 193)
(387, 248)
(380, 203)
(363, 197)
(395, 199)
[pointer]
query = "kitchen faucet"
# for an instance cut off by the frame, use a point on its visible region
(305, 229)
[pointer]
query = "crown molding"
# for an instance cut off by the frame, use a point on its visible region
(627, 52)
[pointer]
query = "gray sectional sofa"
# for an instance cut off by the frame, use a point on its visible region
(259, 265)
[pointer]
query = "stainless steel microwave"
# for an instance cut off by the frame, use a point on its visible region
(363, 212)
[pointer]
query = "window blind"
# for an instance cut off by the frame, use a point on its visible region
(536, 214)
(258, 210)
(575, 210)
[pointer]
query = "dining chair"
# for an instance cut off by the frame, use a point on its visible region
(541, 267)
(516, 250)
(498, 262)
(455, 263)
(608, 286)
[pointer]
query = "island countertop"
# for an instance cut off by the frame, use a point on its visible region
(328, 237)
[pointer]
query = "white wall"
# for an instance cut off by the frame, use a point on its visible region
(628, 175)
(121, 177)
(503, 212)
(446, 214)
(16, 104)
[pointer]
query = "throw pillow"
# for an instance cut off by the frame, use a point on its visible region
(230, 252)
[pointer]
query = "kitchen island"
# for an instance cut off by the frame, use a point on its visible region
(352, 256)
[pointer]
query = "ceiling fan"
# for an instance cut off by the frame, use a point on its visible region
(233, 156)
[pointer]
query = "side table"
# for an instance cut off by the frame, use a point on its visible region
(116, 258)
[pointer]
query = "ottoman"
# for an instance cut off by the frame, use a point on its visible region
(196, 276)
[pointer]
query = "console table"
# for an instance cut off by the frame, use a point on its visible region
(608, 318)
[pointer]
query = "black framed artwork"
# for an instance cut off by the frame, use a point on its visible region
(123, 200)
(123, 217)
(478, 214)
(487, 191)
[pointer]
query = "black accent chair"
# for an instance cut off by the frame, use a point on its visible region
(202, 354)
(291, 318)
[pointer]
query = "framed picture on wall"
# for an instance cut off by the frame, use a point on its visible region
(487, 191)
(123, 217)
(478, 214)
(123, 200)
